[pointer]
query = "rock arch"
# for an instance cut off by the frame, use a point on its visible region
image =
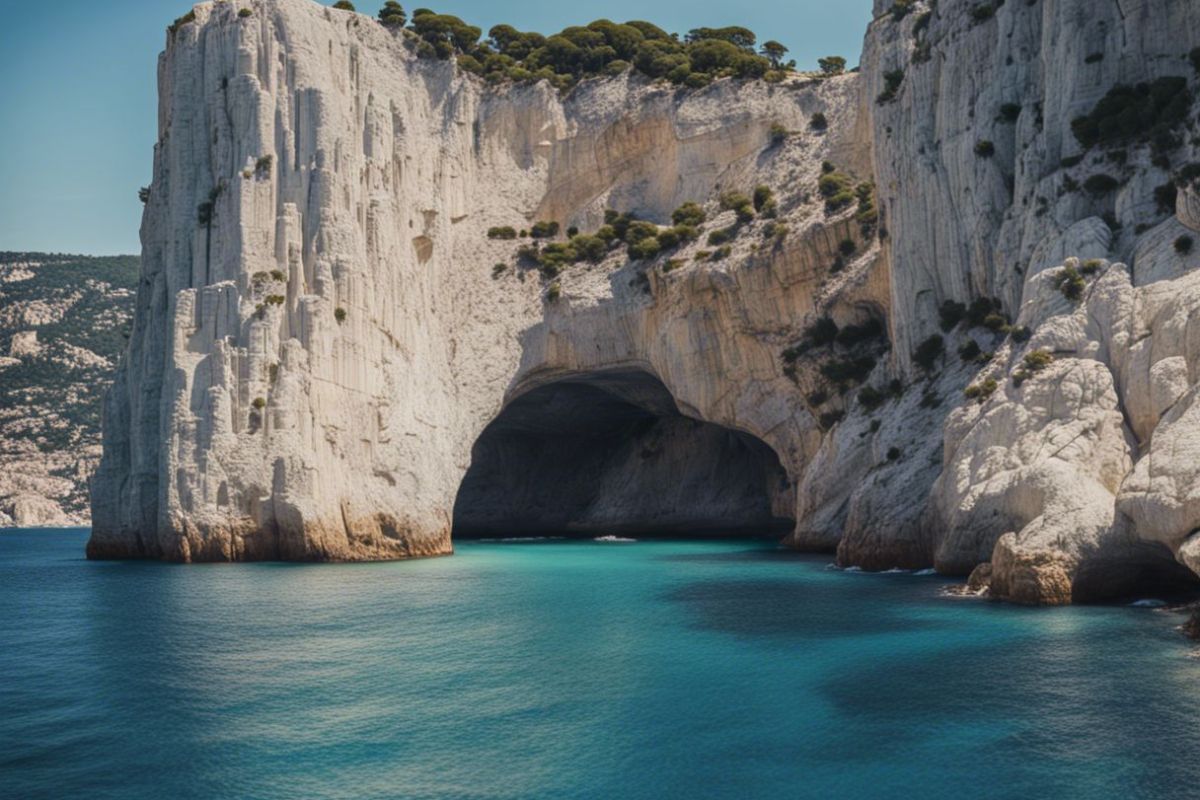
(610, 451)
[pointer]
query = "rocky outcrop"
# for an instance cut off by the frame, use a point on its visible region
(325, 331)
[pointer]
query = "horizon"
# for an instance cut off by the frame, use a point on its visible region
(81, 122)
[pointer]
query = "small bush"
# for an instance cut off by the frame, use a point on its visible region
(720, 236)
(339, 315)
(822, 332)
(778, 133)
(762, 196)
(995, 321)
(818, 122)
(246, 12)
(554, 291)
(1010, 112)
(981, 391)
(847, 247)
(263, 165)
(1091, 266)
(1037, 360)
(392, 15)
(1068, 281)
(985, 149)
(982, 13)
(951, 313)
(259, 403)
(278, 276)
(504, 232)
(1100, 185)
(871, 398)
(689, 214)
(499, 269)
(892, 81)
(833, 65)
(1183, 245)
(1022, 334)
(969, 350)
(644, 248)
(1165, 197)
(344, 5)
(818, 397)
(894, 454)
(544, 230)
(928, 352)
(1128, 113)
(144, 194)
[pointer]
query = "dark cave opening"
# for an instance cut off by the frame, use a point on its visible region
(610, 453)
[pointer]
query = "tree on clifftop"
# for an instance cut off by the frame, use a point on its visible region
(392, 15)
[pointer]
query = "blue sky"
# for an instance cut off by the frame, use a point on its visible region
(77, 94)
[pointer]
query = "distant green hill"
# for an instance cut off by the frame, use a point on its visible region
(64, 323)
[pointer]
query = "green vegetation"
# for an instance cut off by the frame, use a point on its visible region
(969, 350)
(392, 15)
(554, 291)
(1183, 245)
(928, 352)
(1091, 266)
(600, 48)
(344, 5)
(1101, 184)
(1037, 360)
(892, 79)
(951, 312)
(1138, 112)
(502, 232)
(689, 214)
(1009, 112)
(981, 391)
(259, 403)
(262, 166)
(144, 194)
(837, 188)
(985, 11)
(832, 65)
(499, 269)
(818, 122)
(339, 314)
(1068, 281)
(544, 230)
(186, 19)
(246, 12)
(901, 8)
(985, 149)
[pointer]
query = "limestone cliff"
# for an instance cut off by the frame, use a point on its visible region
(327, 339)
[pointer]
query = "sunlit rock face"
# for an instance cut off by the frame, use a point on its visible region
(329, 350)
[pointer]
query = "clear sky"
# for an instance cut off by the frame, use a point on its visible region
(77, 94)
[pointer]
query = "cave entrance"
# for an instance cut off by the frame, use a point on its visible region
(610, 453)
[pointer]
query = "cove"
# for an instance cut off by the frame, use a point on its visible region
(572, 669)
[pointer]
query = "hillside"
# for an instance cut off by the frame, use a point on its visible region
(64, 321)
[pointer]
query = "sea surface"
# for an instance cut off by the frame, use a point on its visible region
(567, 669)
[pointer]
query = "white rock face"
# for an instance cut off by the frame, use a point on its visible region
(313, 362)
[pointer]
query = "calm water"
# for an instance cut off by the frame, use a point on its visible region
(572, 670)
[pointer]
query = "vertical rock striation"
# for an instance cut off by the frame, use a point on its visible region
(321, 336)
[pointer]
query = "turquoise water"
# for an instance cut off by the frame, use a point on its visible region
(572, 670)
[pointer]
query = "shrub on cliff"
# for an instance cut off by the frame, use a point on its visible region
(688, 214)
(832, 65)
(818, 122)
(1099, 185)
(504, 232)
(1183, 245)
(392, 15)
(951, 313)
(599, 48)
(928, 352)
(985, 149)
(1138, 112)
(892, 79)
(344, 5)
(544, 230)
